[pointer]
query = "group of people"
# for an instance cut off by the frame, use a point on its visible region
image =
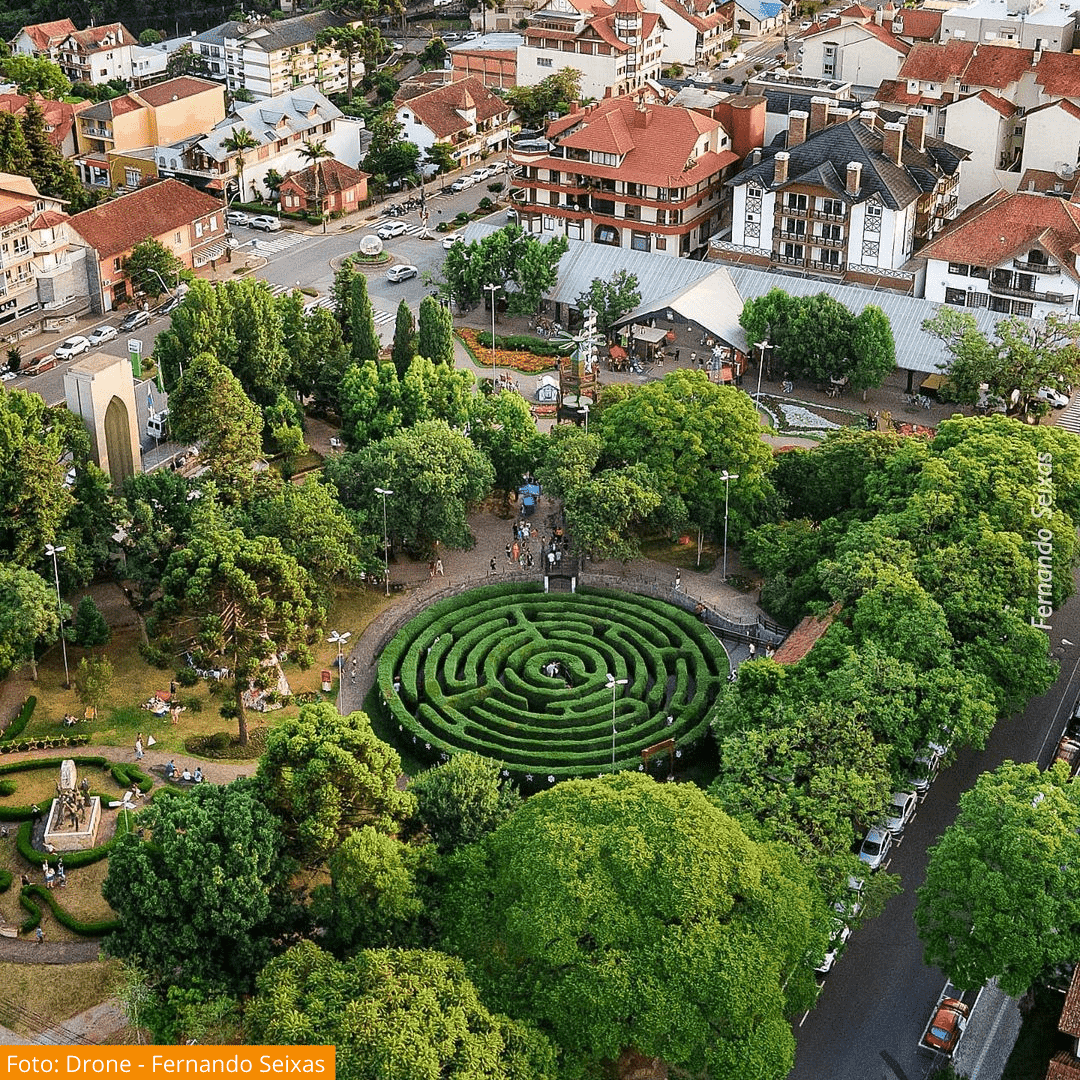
(185, 775)
(51, 876)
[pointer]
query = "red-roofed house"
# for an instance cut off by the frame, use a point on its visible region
(493, 67)
(42, 39)
(1014, 254)
(862, 53)
(465, 114)
(647, 177)
(97, 54)
(616, 47)
(695, 31)
(38, 269)
(59, 118)
(341, 188)
(189, 223)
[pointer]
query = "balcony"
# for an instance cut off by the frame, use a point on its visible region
(794, 211)
(789, 260)
(828, 267)
(997, 289)
(96, 131)
(946, 207)
(822, 216)
(829, 241)
(798, 237)
(1036, 267)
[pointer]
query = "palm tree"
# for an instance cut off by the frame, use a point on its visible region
(240, 141)
(314, 150)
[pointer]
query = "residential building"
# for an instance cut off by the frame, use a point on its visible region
(1065, 183)
(97, 54)
(617, 47)
(39, 273)
(1012, 253)
(503, 16)
(59, 118)
(466, 114)
(695, 31)
(851, 196)
(269, 58)
(990, 128)
(628, 174)
(280, 126)
(160, 114)
(785, 91)
(340, 188)
(190, 223)
(1065, 1064)
(42, 39)
(754, 18)
(861, 53)
(492, 59)
(1029, 24)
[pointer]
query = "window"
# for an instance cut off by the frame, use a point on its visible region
(795, 225)
(604, 235)
(832, 206)
(796, 202)
(793, 252)
(198, 228)
(1022, 307)
(958, 297)
(958, 268)
(132, 177)
(598, 157)
(1018, 130)
(661, 216)
(753, 192)
(873, 210)
(980, 272)
(543, 61)
(349, 195)
(116, 265)
(661, 243)
(639, 241)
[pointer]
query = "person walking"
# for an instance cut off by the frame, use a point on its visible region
(678, 580)
(138, 747)
(493, 564)
(439, 568)
(39, 934)
(753, 650)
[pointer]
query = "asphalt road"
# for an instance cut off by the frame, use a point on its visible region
(877, 999)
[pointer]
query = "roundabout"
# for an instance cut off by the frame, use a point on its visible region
(552, 685)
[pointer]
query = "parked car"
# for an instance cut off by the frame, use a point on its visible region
(7, 375)
(876, 847)
(900, 811)
(497, 167)
(134, 319)
(169, 306)
(480, 174)
(450, 240)
(266, 223)
(237, 217)
(462, 183)
(40, 364)
(102, 334)
(73, 346)
(805, 24)
(401, 273)
(450, 36)
(470, 35)
(1056, 398)
(849, 905)
(391, 229)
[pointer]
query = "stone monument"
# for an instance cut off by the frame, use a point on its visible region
(75, 814)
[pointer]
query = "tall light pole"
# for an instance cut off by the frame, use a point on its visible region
(54, 551)
(339, 640)
(727, 478)
(493, 289)
(385, 539)
(612, 683)
(762, 345)
(584, 411)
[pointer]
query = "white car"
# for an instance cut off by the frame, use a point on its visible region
(480, 174)
(401, 273)
(8, 375)
(1056, 398)
(901, 809)
(266, 223)
(876, 847)
(497, 167)
(102, 334)
(238, 217)
(462, 183)
(391, 229)
(72, 347)
(451, 240)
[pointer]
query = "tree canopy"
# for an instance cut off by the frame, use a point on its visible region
(28, 615)
(553, 94)
(153, 268)
(611, 298)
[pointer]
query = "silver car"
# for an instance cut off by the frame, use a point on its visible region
(900, 811)
(876, 847)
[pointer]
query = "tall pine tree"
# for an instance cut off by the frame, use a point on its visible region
(365, 342)
(51, 172)
(404, 339)
(436, 337)
(342, 294)
(14, 153)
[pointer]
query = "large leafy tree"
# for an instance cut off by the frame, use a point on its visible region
(503, 427)
(325, 775)
(569, 457)
(873, 349)
(209, 407)
(153, 268)
(394, 1013)
(554, 94)
(370, 397)
(435, 335)
(389, 153)
(35, 75)
(28, 616)
(201, 890)
(352, 43)
(1002, 891)
(621, 913)
(461, 801)
(362, 332)
(611, 298)
(435, 474)
(436, 392)
(252, 601)
(603, 512)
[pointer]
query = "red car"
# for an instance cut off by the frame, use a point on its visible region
(947, 1025)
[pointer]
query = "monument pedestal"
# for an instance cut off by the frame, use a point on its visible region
(63, 838)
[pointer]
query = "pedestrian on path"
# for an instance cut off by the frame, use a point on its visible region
(439, 567)
(678, 580)
(493, 564)
(40, 935)
(138, 748)
(753, 650)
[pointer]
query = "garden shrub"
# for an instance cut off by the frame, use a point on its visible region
(523, 342)
(187, 676)
(18, 725)
(32, 893)
(7, 787)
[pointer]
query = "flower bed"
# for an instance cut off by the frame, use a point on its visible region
(518, 359)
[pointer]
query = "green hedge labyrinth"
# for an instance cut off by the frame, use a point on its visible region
(471, 673)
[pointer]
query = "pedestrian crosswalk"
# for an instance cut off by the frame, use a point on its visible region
(322, 302)
(1070, 418)
(383, 317)
(272, 245)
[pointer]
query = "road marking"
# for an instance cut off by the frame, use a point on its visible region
(381, 317)
(279, 243)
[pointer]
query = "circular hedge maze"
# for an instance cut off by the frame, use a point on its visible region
(522, 677)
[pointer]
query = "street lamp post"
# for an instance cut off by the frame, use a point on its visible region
(612, 683)
(584, 410)
(385, 539)
(762, 345)
(339, 640)
(54, 551)
(727, 478)
(493, 289)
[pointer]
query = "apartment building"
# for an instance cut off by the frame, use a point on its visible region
(42, 39)
(468, 116)
(629, 174)
(97, 54)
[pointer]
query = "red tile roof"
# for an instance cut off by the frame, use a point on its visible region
(95, 38)
(175, 90)
(118, 225)
(699, 22)
(1049, 182)
(439, 109)
(997, 66)
(14, 212)
(47, 219)
(856, 11)
(333, 177)
(920, 24)
(895, 92)
(1004, 226)
(1063, 1066)
(887, 38)
(1059, 74)
(48, 34)
(936, 63)
(1006, 108)
(59, 115)
(1070, 1010)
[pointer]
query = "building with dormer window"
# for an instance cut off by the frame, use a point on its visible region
(97, 54)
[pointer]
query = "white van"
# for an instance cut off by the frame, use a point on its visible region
(157, 424)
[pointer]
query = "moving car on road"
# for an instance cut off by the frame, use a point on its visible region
(391, 229)
(238, 217)
(461, 183)
(266, 223)
(74, 346)
(401, 273)
(451, 240)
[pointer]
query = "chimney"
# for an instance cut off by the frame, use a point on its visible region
(819, 114)
(641, 118)
(575, 106)
(854, 178)
(755, 157)
(796, 132)
(780, 166)
(879, 16)
(892, 142)
(916, 128)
